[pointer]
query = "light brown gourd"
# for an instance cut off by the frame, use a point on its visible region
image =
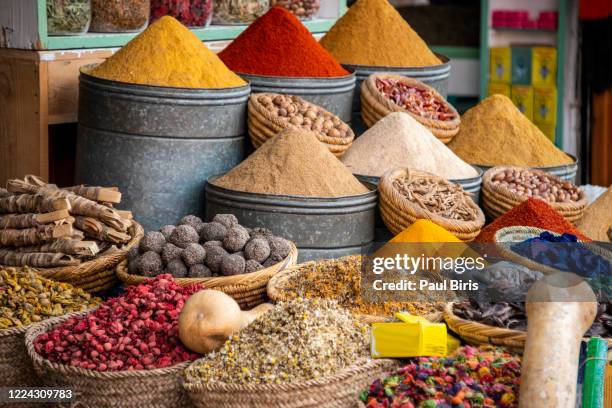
(560, 309)
(210, 317)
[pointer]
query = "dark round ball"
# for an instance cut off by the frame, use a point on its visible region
(193, 254)
(260, 231)
(211, 244)
(133, 266)
(272, 260)
(150, 264)
(177, 268)
(184, 235)
(214, 256)
(212, 231)
(192, 220)
(229, 220)
(199, 271)
(279, 247)
(257, 249)
(236, 239)
(166, 231)
(232, 265)
(171, 252)
(252, 266)
(152, 241)
(133, 253)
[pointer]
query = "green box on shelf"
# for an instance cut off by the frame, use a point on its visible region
(521, 65)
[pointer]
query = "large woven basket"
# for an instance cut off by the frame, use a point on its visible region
(398, 212)
(248, 289)
(99, 273)
(278, 291)
(264, 125)
(15, 366)
(509, 235)
(497, 200)
(375, 106)
(158, 388)
(477, 333)
(337, 391)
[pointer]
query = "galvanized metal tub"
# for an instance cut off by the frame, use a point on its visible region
(435, 76)
(320, 227)
(564, 172)
(334, 94)
(471, 185)
(158, 144)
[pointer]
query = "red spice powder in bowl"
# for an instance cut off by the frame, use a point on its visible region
(136, 331)
(530, 213)
(278, 44)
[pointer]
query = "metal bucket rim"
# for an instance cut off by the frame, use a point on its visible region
(357, 67)
(294, 200)
(547, 169)
(158, 89)
(342, 78)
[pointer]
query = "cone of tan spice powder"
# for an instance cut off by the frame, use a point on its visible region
(496, 133)
(294, 162)
(398, 140)
(372, 32)
(597, 218)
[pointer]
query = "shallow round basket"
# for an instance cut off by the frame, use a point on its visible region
(398, 212)
(476, 333)
(338, 391)
(375, 106)
(157, 388)
(99, 273)
(564, 172)
(497, 200)
(14, 362)
(278, 292)
(504, 237)
(248, 289)
(264, 125)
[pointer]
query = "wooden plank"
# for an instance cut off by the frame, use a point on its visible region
(23, 117)
(19, 24)
(601, 141)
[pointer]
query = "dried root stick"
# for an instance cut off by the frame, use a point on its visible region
(30, 203)
(95, 229)
(99, 194)
(17, 221)
(33, 236)
(36, 259)
(65, 246)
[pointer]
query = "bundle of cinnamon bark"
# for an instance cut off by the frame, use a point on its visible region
(44, 226)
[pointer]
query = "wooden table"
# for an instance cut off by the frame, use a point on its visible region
(37, 89)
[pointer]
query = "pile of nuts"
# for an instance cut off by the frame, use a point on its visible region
(299, 8)
(196, 249)
(305, 115)
(26, 298)
(437, 196)
(421, 102)
(527, 183)
(136, 331)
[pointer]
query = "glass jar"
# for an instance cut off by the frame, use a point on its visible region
(119, 16)
(239, 11)
(192, 13)
(68, 17)
(302, 9)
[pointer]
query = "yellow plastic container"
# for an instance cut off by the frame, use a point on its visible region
(498, 88)
(522, 96)
(545, 105)
(547, 129)
(412, 336)
(544, 67)
(499, 65)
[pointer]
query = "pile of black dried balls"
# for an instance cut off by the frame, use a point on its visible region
(197, 249)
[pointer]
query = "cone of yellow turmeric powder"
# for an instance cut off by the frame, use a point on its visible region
(167, 54)
(495, 133)
(373, 33)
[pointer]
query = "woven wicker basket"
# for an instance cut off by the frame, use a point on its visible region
(264, 125)
(398, 212)
(508, 235)
(278, 292)
(99, 273)
(158, 388)
(14, 362)
(337, 391)
(497, 200)
(476, 333)
(248, 289)
(375, 106)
